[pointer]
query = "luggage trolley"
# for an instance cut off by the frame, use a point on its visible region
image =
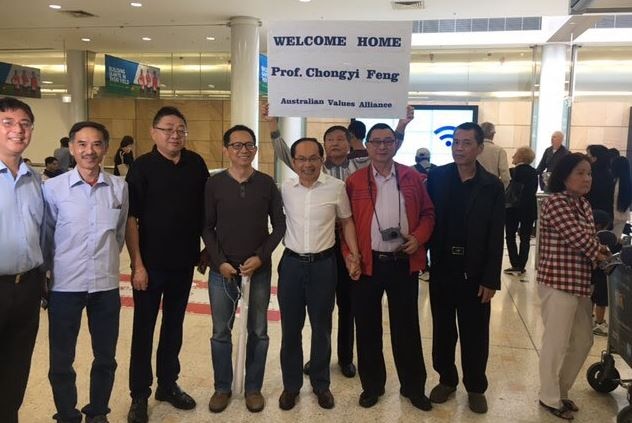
(603, 376)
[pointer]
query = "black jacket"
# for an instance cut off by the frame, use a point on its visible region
(528, 177)
(484, 222)
(601, 195)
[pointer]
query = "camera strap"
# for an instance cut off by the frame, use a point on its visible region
(399, 200)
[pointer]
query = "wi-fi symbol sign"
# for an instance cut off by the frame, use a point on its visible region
(448, 134)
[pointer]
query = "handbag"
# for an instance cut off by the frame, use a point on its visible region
(122, 168)
(513, 192)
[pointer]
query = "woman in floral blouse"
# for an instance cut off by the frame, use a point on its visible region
(569, 250)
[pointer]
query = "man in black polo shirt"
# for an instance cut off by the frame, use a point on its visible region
(238, 202)
(466, 251)
(166, 192)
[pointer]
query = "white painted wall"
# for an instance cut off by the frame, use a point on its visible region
(52, 121)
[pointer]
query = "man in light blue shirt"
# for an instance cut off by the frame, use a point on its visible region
(84, 223)
(21, 213)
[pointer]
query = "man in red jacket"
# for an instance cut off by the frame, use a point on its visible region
(394, 218)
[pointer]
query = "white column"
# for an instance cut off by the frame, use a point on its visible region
(292, 128)
(551, 102)
(244, 70)
(77, 83)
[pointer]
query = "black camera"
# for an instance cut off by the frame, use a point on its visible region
(390, 234)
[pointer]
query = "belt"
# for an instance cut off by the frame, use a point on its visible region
(310, 257)
(17, 278)
(457, 251)
(389, 256)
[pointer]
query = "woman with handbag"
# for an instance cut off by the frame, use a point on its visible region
(124, 156)
(521, 212)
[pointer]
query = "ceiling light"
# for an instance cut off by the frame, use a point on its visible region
(146, 39)
(210, 38)
(136, 4)
(211, 86)
(47, 82)
(87, 40)
(54, 6)
(304, 1)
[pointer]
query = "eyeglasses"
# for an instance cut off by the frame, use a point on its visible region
(386, 142)
(170, 131)
(311, 160)
(237, 146)
(9, 123)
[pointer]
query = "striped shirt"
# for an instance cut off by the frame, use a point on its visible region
(568, 244)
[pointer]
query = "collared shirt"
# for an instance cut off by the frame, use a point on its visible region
(311, 213)
(568, 244)
(21, 214)
(341, 171)
(390, 215)
(86, 227)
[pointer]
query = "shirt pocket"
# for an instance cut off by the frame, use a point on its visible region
(107, 220)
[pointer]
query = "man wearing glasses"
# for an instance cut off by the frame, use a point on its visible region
(307, 271)
(21, 214)
(166, 193)
(238, 202)
(394, 218)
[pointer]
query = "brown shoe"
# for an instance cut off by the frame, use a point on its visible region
(325, 398)
(255, 401)
(219, 401)
(287, 400)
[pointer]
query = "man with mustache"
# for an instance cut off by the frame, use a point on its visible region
(84, 228)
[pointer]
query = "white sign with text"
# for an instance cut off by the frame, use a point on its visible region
(338, 69)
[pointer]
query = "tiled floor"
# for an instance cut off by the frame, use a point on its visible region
(512, 372)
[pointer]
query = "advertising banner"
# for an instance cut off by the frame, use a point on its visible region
(20, 81)
(124, 77)
(263, 74)
(338, 69)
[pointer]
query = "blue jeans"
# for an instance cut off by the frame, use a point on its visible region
(223, 294)
(64, 316)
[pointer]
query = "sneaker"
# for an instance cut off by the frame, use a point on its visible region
(600, 329)
(219, 401)
(477, 402)
(441, 393)
(255, 402)
(176, 397)
(138, 411)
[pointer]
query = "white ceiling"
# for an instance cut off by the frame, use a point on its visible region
(183, 25)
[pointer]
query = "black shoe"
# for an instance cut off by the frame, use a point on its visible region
(138, 411)
(176, 397)
(97, 419)
(368, 400)
(287, 400)
(420, 401)
(325, 398)
(306, 368)
(348, 370)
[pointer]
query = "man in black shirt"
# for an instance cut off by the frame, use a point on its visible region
(238, 202)
(466, 251)
(166, 192)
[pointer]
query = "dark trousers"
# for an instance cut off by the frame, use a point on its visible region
(402, 289)
(454, 299)
(306, 285)
(173, 287)
(64, 320)
(19, 321)
(345, 312)
(516, 222)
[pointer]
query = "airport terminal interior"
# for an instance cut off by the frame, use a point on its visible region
(529, 67)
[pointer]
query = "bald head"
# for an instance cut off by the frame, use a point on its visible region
(556, 139)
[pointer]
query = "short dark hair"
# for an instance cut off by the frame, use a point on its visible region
(321, 150)
(357, 129)
(167, 111)
(89, 124)
(126, 140)
(599, 152)
(563, 169)
(48, 160)
(63, 141)
(479, 136)
(10, 103)
(378, 126)
(337, 128)
(236, 128)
